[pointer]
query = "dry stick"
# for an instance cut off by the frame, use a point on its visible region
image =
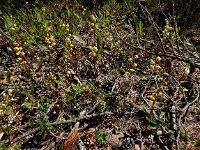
(93, 108)
(192, 54)
(37, 129)
(184, 111)
(190, 60)
(24, 135)
(95, 57)
(58, 140)
(156, 27)
(69, 121)
(81, 144)
(174, 103)
(57, 136)
(177, 36)
(181, 58)
(175, 27)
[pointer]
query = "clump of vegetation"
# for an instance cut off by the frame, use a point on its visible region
(96, 76)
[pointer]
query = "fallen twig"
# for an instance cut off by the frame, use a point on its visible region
(184, 111)
(21, 137)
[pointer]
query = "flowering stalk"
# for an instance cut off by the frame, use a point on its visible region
(95, 50)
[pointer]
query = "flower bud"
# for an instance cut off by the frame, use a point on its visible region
(157, 67)
(158, 59)
(152, 97)
(175, 127)
(95, 49)
(134, 65)
(4, 95)
(16, 49)
(10, 92)
(67, 40)
(18, 53)
(93, 19)
(159, 132)
(20, 48)
(173, 108)
(131, 70)
(160, 94)
(22, 54)
(19, 59)
(9, 49)
(136, 56)
(152, 62)
(130, 60)
(152, 66)
(1, 112)
(94, 54)
(167, 22)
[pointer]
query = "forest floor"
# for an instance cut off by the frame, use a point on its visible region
(75, 77)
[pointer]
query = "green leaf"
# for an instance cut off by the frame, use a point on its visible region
(197, 143)
(145, 78)
(71, 96)
(77, 88)
(68, 12)
(44, 104)
(34, 65)
(186, 135)
(47, 69)
(33, 28)
(99, 45)
(8, 21)
(90, 18)
(74, 29)
(27, 105)
(46, 22)
(101, 137)
(79, 39)
(126, 27)
(152, 127)
(39, 18)
(141, 28)
(43, 125)
(171, 134)
(2, 87)
(7, 129)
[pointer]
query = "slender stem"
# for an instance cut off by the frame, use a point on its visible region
(95, 57)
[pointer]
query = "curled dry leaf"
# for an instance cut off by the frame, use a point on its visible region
(71, 138)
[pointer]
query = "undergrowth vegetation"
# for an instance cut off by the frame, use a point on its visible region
(108, 76)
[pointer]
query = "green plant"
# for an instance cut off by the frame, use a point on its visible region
(43, 124)
(66, 61)
(76, 89)
(3, 147)
(101, 137)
